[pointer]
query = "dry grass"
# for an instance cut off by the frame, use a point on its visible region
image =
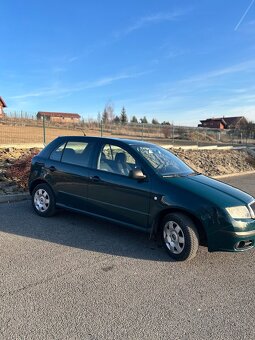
(29, 134)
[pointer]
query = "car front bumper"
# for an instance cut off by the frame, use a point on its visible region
(235, 240)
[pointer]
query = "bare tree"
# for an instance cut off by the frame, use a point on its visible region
(109, 108)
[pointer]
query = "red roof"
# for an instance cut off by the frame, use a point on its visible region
(58, 114)
(2, 101)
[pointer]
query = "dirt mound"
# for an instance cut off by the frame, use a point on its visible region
(14, 169)
(217, 162)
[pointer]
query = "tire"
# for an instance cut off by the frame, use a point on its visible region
(180, 237)
(43, 200)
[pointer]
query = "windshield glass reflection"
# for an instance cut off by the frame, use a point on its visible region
(163, 162)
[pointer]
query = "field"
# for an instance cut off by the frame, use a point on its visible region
(32, 134)
(19, 132)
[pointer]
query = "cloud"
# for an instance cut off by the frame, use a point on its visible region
(57, 90)
(241, 67)
(153, 19)
(73, 59)
(150, 20)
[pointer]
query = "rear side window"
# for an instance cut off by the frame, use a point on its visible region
(77, 153)
(57, 153)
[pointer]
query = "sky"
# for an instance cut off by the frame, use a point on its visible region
(173, 60)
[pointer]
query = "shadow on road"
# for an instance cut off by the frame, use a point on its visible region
(79, 231)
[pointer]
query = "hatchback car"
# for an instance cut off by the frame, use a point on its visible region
(143, 186)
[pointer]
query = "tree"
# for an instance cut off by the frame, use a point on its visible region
(99, 117)
(105, 116)
(155, 121)
(123, 116)
(165, 123)
(134, 120)
(144, 120)
(166, 130)
(116, 120)
(108, 114)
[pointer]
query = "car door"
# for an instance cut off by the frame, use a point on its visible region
(68, 169)
(112, 193)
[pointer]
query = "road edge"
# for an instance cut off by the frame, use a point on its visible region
(235, 174)
(14, 197)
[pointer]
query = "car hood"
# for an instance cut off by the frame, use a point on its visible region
(211, 190)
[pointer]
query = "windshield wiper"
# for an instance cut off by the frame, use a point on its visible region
(182, 175)
(173, 175)
(195, 173)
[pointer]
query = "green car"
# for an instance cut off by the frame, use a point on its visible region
(142, 186)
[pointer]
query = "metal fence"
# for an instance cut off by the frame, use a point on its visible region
(24, 131)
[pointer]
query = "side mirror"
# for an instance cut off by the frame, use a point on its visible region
(136, 174)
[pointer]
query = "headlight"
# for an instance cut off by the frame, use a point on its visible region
(239, 212)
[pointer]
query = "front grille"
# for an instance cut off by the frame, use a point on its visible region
(252, 207)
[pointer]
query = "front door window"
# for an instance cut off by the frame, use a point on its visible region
(114, 159)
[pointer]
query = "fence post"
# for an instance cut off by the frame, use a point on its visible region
(101, 127)
(44, 132)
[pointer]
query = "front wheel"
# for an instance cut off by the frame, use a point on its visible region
(179, 236)
(43, 200)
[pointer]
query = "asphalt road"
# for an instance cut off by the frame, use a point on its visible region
(73, 277)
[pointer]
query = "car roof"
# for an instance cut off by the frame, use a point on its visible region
(109, 139)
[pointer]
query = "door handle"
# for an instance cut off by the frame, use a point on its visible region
(39, 163)
(52, 168)
(95, 178)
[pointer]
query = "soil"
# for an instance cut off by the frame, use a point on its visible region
(217, 162)
(14, 169)
(15, 164)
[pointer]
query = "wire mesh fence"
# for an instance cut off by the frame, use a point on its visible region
(25, 130)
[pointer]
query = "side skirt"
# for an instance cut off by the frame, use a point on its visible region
(133, 226)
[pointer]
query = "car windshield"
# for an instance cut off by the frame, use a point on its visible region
(163, 162)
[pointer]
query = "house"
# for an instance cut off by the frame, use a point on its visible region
(213, 123)
(59, 117)
(223, 123)
(2, 105)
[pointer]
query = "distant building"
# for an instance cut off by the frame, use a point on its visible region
(235, 122)
(223, 123)
(213, 123)
(59, 117)
(2, 105)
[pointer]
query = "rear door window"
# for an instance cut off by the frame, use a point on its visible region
(77, 153)
(57, 153)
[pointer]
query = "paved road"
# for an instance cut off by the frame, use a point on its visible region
(72, 277)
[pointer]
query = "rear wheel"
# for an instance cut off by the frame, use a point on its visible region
(43, 200)
(179, 236)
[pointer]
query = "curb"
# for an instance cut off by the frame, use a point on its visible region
(14, 198)
(235, 174)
